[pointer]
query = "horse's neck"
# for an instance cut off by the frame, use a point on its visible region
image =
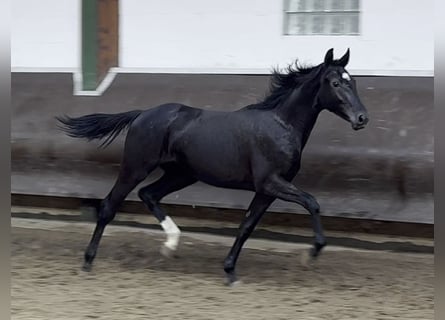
(300, 111)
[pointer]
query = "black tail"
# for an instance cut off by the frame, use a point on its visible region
(98, 125)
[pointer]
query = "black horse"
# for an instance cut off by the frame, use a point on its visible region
(256, 148)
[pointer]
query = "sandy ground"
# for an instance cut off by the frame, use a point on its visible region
(131, 280)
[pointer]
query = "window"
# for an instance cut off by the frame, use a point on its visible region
(321, 17)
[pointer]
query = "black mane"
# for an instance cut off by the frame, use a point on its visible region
(282, 84)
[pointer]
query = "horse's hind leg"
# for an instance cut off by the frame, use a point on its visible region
(173, 179)
(127, 181)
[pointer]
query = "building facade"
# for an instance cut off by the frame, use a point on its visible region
(386, 38)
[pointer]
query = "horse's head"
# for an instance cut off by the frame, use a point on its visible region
(338, 93)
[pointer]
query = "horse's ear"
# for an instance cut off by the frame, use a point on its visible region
(343, 61)
(329, 57)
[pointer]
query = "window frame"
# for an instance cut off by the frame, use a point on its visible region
(287, 13)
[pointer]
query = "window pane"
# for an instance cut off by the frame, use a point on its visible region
(292, 5)
(292, 27)
(297, 24)
(338, 5)
(354, 4)
(318, 24)
(302, 23)
(354, 23)
(297, 5)
(329, 4)
(319, 5)
(302, 5)
(337, 24)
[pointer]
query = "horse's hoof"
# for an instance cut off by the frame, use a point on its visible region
(87, 267)
(234, 284)
(307, 259)
(231, 280)
(167, 252)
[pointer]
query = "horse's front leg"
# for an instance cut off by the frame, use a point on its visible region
(278, 187)
(256, 209)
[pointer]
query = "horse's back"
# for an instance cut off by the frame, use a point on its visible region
(161, 117)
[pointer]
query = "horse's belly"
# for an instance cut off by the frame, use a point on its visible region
(230, 184)
(218, 168)
(221, 171)
(237, 180)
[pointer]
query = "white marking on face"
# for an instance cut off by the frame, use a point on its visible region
(172, 231)
(346, 76)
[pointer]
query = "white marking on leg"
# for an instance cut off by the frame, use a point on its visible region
(305, 258)
(173, 233)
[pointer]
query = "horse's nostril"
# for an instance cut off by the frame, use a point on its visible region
(361, 118)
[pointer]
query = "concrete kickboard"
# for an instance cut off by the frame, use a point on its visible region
(97, 181)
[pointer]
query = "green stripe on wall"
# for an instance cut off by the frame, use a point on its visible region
(89, 44)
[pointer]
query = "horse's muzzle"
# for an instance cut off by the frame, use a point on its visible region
(360, 122)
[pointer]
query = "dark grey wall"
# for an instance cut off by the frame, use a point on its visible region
(393, 154)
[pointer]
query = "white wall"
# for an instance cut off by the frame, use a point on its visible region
(223, 36)
(45, 34)
(247, 36)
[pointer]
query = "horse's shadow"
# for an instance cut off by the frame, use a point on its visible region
(205, 260)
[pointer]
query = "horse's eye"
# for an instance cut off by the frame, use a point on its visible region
(335, 83)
